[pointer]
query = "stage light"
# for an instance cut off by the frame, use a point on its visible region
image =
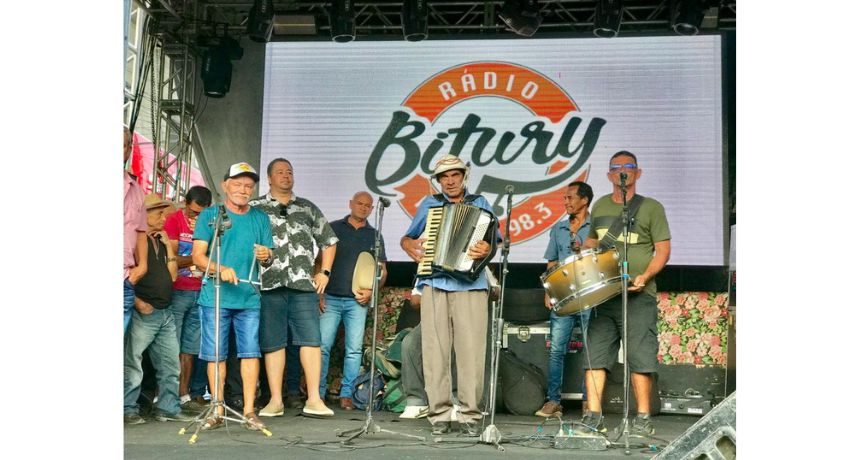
(607, 18)
(261, 20)
(414, 20)
(217, 70)
(521, 16)
(687, 16)
(342, 20)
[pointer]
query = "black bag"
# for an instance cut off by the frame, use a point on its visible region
(523, 385)
(359, 390)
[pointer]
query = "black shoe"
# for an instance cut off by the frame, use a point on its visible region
(642, 426)
(133, 419)
(236, 403)
(177, 417)
(590, 425)
(441, 428)
(469, 429)
(294, 401)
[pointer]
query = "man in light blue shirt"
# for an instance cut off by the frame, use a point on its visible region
(453, 312)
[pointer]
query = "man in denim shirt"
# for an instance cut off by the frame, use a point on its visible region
(565, 237)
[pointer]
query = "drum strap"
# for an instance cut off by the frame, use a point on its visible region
(617, 226)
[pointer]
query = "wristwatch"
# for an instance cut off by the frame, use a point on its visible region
(326, 272)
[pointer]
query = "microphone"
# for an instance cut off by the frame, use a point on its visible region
(385, 202)
(225, 219)
(509, 189)
(623, 177)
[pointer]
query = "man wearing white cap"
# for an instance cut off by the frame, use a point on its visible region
(453, 312)
(246, 241)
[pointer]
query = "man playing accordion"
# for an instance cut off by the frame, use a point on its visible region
(453, 310)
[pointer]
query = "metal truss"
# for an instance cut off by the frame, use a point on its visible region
(170, 94)
(381, 18)
(175, 83)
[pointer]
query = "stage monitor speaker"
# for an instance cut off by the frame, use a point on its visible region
(712, 437)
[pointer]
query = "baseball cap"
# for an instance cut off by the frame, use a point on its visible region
(242, 169)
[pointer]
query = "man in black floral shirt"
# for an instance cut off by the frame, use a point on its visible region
(290, 293)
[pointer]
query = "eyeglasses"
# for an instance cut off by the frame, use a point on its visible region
(627, 166)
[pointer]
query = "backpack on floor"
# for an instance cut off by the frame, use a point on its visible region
(387, 355)
(523, 385)
(394, 400)
(359, 390)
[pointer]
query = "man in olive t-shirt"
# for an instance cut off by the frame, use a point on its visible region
(648, 248)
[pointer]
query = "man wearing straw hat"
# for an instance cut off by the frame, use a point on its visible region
(348, 292)
(453, 312)
(152, 326)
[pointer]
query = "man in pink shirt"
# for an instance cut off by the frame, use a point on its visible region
(134, 233)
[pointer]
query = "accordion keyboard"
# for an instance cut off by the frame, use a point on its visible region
(430, 235)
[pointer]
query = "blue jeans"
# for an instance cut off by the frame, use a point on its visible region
(156, 332)
(353, 315)
(186, 314)
(560, 329)
(246, 326)
(127, 303)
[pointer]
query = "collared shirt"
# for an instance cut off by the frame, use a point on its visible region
(295, 232)
(560, 239)
(134, 220)
(351, 242)
(442, 280)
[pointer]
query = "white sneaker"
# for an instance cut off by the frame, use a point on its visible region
(455, 412)
(414, 412)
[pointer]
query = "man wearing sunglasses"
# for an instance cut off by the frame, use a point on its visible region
(648, 248)
(291, 289)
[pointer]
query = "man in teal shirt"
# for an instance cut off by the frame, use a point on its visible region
(246, 241)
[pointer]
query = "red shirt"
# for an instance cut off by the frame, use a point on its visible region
(177, 228)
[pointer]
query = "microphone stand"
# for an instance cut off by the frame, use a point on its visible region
(625, 219)
(221, 224)
(370, 426)
(491, 434)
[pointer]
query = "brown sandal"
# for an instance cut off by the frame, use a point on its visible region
(254, 423)
(213, 422)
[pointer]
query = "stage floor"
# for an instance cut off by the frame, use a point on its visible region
(300, 437)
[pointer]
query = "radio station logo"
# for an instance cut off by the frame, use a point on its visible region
(550, 150)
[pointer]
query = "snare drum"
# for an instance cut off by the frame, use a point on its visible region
(583, 280)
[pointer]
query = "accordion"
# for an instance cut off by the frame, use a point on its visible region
(449, 233)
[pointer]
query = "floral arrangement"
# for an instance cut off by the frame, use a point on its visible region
(692, 327)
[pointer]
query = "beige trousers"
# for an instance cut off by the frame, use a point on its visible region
(458, 319)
